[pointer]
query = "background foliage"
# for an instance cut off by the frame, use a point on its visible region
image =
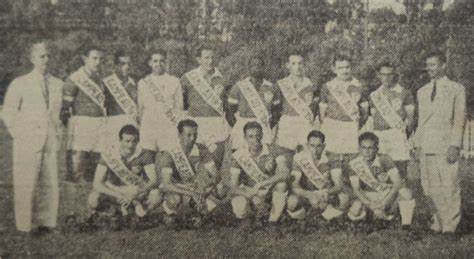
(240, 29)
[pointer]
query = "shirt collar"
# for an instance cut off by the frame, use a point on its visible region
(265, 151)
(376, 162)
(195, 151)
(138, 151)
(216, 73)
(37, 74)
(440, 80)
(397, 88)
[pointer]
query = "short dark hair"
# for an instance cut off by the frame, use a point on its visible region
(120, 54)
(295, 53)
(256, 57)
(252, 125)
(199, 50)
(369, 136)
(386, 63)
(161, 52)
(437, 54)
(86, 49)
(186, 123)
(341, 57)
(129, 130)
(316, 134)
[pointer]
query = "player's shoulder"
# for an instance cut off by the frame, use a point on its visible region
(453, 84)
(202, 148)
(277, 150)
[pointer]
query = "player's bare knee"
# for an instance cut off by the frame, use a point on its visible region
(155, 196)
(173, 201)
(239, 206)
(356, 208)
(258, 202)
(280, 187)
(344, 200)
(292, 202)
(405, 194)
(93, 200)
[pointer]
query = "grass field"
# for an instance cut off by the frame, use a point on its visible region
(225, 241)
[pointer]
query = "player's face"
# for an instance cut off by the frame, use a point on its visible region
(256, 67)
(295, 65)
(207, 59)
(254, 138)
(316, 147)
(40, 57)
(387, 76)
(368, 149)
(188, 136)
(93, 60)
(128, 143)
(434, 67)
(157, 64)
(343, 70)
(124, 66)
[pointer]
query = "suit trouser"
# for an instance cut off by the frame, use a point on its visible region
(35, 184)
(440, 181)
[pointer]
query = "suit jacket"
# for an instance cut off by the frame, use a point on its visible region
(441, 122)
(28, 115)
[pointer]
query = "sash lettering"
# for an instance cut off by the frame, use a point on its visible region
(295, 101)
(205, 90)
(366, 176)
(255, 102)
(116, 88)
(310, 170)
(386, 110)
(182, 164)
(249, 165)
(159, 98)
(344, 100)
(120, 170)
(89, 87)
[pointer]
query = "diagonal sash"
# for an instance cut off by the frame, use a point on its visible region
(254, 101)
(344, 100)
(116, 88)
(310, 169)
(366, 176)
(250, 167)
(159, 98)
(205, 90)
(182, 164)
(386, 110)
(117, 166)
(295, 101)
(89, 87)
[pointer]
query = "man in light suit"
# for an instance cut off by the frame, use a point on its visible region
(31, 114)
(442, 115)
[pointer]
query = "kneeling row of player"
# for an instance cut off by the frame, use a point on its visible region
(259, 176)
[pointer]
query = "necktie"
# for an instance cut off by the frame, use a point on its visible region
(44, 84)
(433, 94)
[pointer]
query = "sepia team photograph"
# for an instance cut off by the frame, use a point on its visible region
(236, 129)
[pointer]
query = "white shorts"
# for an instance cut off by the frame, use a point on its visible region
(113, 126)
(158, 134)
(211, 129)
(341, 136)
(293, 131)
(85, 133)
(238, 140)
(394, 143)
